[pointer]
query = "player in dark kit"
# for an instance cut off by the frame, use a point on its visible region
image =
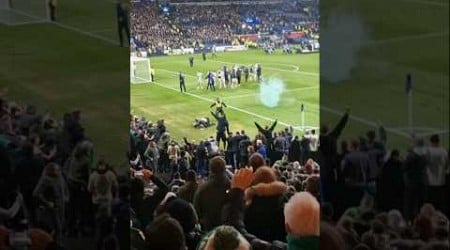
(222, 127)
(52, 9)
(122, 22)
(204, 55)
(182, 83)
(239, 75)
(258, 72)
(210, 78)
(191, 61)
(246, 74)
(225, 75)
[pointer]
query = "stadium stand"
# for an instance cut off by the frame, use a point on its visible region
(52, 193)
(374, 197)
(190, 191)
(200, 174)
(368, 213)
(163, 26)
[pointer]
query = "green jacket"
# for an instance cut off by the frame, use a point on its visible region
(303, 243)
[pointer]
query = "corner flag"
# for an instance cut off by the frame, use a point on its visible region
(408, 88)
(408, 84)
(302, 110)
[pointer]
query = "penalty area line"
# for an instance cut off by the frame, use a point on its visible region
(67, 27)
(357, 119)
(256, 94)
(229, 106)
(276, 69)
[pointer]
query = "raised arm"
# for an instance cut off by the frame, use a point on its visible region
(260, 129)
(233, 210)
(336, 132)
(187, 143)
(273, 125)
(13, 210)
(162, 190)
(382, 134)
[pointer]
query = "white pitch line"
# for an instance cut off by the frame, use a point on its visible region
(322, 108)
(211, 100)
(365, 121)
(228, 106)
(89, 34)
(25, 23)
(255, 94)
(284, 70)
(407, 38)
(427, 2)
(296, 68)
(101, 30)
(439, 132)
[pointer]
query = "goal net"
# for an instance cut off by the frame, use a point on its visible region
(16, 12)
(140, 70)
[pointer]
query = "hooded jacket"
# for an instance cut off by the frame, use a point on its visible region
(266, 201)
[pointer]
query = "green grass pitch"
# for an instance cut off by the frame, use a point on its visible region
(403, 36)
(75, 63)
(162, 99)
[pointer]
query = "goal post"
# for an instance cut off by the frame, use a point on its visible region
(140, 70)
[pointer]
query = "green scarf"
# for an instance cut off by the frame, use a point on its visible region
(303, 243)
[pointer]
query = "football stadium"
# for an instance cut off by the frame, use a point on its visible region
(59, 79)
(217, 87)
(138, 160)
(290, 73)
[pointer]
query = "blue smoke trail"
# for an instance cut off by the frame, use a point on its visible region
(270, 91)
(339, 55)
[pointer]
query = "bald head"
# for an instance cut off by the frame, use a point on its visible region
(302, 215)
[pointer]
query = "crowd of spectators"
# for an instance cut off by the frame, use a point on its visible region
(374, 197)
(185, 26)
(152, 30)
(214, 197)
(260, 192)
(52, 191)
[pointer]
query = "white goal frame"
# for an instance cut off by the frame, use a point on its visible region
(136, 79)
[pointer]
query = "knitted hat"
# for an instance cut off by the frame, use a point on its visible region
(183, 212)
(264, 174)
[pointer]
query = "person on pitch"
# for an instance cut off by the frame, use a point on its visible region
(258, 72)
(210, 77)
(219, 105)
(222, 127)
(204, 54)
(246, 74)
(182, 83)
(214, 50)
(123, 24)
(199, 80)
